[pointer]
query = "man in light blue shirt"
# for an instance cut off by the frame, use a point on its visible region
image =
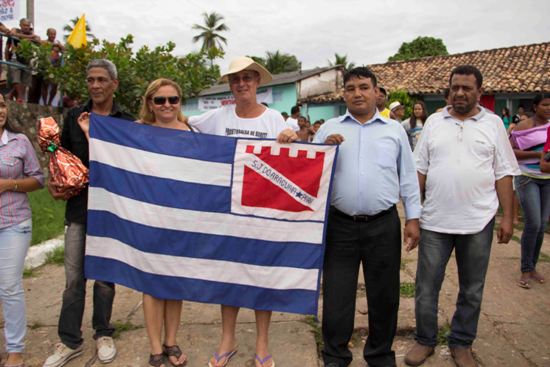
(375, 168)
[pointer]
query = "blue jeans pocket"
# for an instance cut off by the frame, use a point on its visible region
(521, 181)
(23, 227)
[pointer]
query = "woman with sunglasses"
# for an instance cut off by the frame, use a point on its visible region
(20, 173)
(161, 107)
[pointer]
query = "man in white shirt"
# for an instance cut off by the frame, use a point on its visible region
(465, 166)
(292, 120)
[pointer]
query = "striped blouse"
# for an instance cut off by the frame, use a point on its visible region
(17, 160)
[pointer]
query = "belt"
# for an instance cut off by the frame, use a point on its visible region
(361, 218)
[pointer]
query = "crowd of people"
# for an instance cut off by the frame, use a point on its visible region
(452, 170)
(28, 85)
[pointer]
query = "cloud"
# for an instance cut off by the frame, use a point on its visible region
(367, 31)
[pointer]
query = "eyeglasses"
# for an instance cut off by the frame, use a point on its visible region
(159, 101)
(235, 79)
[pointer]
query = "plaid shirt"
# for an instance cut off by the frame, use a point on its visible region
(17, 160)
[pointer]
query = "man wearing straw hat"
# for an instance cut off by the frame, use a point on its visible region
(246, 118)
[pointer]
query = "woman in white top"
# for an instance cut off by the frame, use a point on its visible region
(246, 118)
(413, 125)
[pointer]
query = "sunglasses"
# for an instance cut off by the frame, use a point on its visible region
(159, 101)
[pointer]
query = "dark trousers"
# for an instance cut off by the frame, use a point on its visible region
(74, 295)
(377, 245)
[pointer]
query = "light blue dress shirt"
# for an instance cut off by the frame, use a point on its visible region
(375, 166)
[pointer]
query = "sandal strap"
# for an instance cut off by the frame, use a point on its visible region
(262, 361)
(156, 360)
(228, 355)
(172, 351)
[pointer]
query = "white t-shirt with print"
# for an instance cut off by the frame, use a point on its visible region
(225, 122)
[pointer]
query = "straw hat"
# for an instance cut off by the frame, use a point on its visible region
(246, 63)
(394, 105)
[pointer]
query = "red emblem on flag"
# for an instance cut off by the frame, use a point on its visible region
(283, 182)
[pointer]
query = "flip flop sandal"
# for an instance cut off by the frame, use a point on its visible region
(174, 351)
(262, 361)
(524, 284)
(538, 278)
(218, 357)
(156, 360)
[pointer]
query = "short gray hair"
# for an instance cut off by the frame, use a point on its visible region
(105, 64)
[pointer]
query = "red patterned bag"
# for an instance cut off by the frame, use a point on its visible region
(67, 173)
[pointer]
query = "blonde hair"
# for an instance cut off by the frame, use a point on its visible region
(146, 116)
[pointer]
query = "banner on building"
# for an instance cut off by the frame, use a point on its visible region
(10, 10)
(211, 103)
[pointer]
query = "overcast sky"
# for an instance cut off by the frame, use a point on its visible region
(367, 31)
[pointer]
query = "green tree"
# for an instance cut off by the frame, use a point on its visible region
(341, 60)
(277, 62)
(135, 70)
(68, 28)
(210, 32)
(420, 47)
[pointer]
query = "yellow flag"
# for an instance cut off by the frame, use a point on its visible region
(77, 38)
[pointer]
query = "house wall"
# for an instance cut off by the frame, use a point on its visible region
(510, 100)
(325, 82)
(321, 111)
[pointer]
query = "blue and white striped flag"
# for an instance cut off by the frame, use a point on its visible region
(188, 216)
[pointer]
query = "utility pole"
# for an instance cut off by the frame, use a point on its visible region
(30, 11)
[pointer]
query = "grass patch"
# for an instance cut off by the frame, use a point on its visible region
(56, 256)
(29, 273)
(406, 289)
(544, 258)
(443, 334)
(515, 238)
(48, 216)
(316, 330)
(121, 327)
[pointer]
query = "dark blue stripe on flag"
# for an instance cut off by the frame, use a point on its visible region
(160, 191)
(188, 244)
(177, 288)
(162, 140)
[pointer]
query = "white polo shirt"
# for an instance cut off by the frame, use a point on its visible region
(462, 160)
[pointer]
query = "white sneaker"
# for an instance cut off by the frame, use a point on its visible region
(106, 350)
(62, 355)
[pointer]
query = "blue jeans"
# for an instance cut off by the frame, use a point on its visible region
(534, 196)
(74, 295)
(472, 253)
(14, 243)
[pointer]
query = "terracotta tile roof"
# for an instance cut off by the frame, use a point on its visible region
(518, 69)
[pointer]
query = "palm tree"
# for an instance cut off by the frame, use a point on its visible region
(68, 28)
(210, 31)
(277, 62)
(341, 60)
